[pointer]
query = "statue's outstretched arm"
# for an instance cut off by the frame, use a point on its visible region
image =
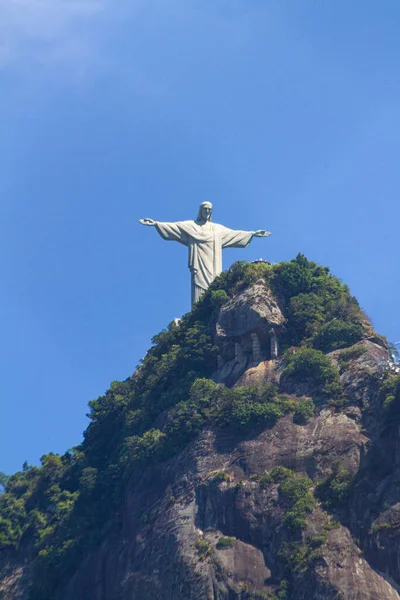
(173, 232)
(234, 238)
(262, 233)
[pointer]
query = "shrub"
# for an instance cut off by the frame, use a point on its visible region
(284, 591)
(240, 275)
(203, 392)
(258, 405)
(225, 542)
(389, 395)
(279, 474)
(265, 480)
(299, 557)
(87, 481)
(218, 298)
(307, 314)
(220, 476)
(379, 526)
(296, 494)
(318, 540)
(304, 411)
(349, 354)
(352, 353)
(295, 277)
(337, 334)
(335, 491)
(313, 297)
(140, 449)
(388, 401)
(204, 549)
(311, 366)
(332, 525)
(3, 481)
(294, 488)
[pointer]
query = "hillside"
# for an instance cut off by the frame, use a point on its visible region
(252, 455)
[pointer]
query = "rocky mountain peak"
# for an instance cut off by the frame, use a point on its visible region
(253, 456)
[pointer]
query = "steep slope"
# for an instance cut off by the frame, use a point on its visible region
(253, 454)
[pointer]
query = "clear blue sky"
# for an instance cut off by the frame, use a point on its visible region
(284, 114)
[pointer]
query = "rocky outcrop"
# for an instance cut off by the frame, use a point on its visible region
(246, 331)
(168, 542)
(167, 547)
(15, 573)
(209, 524)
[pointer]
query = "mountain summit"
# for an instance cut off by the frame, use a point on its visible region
(252, 455)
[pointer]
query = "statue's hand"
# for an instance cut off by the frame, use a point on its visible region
(262, 233)
(147, 222)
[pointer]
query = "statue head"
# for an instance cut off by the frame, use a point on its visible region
(205, 212)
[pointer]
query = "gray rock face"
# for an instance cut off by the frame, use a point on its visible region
(166, 545)
(15, 574)
(243, 332)
(251, 311)
(349, 573)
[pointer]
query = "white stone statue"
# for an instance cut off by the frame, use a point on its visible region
(205, 241)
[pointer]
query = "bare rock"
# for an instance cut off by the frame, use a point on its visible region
(349, 573)
(264, 373)
(244, 331)
(250, 311)
(15, 572)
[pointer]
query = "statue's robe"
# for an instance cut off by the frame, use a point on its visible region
(205, 242)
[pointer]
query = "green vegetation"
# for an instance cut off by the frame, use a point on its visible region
(388, 401)
(253, 406)
(220, 476)
(310, 366)
(282, 594)
(311, 296)
(337, 334)
(379, 526)
(314, 298)
(335, 491)
(225, 542)
(284, 591)
(332, 525)
(204, 549)
(389, 395)
(67, 494)
(218, 298)
(300, 557)
(296, 495)
(350, 354)
(65, 506)
(262, 596)
(304, 411)
(3, 481)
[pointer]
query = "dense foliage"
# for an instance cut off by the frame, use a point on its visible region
(335, 491)
(312, 367)
(65, 506)
(296, 496)
(389, 395)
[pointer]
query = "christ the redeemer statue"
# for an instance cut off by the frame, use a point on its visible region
(205, 241)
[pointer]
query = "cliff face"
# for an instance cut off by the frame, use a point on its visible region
(303, 503)
(167, 544)
(174, 516)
